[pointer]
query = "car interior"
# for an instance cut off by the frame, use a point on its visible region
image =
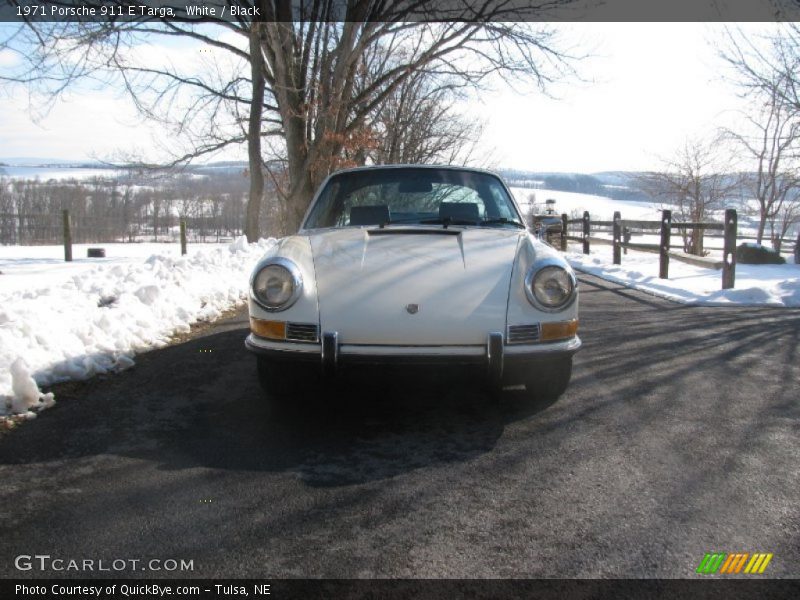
(375, 214)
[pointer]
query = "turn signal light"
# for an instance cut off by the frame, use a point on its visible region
(560, 330)
(274, 330)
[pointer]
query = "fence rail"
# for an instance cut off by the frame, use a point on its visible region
(621, 240)
(37, 228)
(67, 236)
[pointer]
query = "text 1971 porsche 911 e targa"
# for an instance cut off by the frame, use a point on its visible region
(411, 264)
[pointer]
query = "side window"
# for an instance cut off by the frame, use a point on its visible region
(328, 209)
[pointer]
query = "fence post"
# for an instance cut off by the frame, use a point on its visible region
(587, 228)
(67, 237)
(183, 237)
(663, 249)
(617, 235)
(564, 225)
(626, 237)
(729, 250)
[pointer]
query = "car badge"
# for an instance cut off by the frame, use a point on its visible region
(412, 309)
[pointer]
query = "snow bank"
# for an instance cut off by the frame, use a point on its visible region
(756, 285)
(96, 320)
(26, 394)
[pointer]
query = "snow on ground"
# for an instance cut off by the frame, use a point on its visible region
(762, 285)
(600, 208)
(61, 321)
(29, 267)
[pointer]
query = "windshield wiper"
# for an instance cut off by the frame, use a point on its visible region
(502, 221)
(447, 221)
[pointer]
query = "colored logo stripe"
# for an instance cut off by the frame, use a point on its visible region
(724, 563)
(758, 563)
(710, 563)
(734, 563)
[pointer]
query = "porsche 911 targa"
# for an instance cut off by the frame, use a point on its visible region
(404, 265)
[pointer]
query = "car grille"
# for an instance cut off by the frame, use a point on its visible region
(523, 334)
(302, 332)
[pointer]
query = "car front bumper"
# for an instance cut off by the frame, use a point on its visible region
(503, 363)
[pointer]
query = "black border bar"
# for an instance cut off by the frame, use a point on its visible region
(242, 11)
(419, 589)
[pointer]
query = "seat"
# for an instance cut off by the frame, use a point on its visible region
(369, 215)
(460, 211)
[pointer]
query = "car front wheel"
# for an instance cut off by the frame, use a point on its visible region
(276, 380)
(550, 380)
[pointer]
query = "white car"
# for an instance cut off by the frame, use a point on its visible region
(418, 265)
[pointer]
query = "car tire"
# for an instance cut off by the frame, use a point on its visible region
(276, 379)
(551, 380)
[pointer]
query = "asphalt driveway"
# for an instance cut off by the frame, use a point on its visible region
(679, 435)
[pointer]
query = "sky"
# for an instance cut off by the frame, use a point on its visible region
(644, 89)
(648, 87)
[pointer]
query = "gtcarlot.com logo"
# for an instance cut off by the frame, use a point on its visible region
(45, 562)
(723, 563)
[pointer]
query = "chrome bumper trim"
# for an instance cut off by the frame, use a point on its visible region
(472, 354)
(494, 358)
(330, 353)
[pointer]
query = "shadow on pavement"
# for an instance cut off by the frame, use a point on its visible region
(198, 404)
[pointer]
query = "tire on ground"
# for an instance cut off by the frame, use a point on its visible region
(277, 380)
(550, 380)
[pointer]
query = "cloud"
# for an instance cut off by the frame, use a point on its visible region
(90, 123)
(8, 59)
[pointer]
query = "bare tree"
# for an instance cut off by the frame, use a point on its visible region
(417, 125)
(766, 64)
(693, 184)
(315, 106)
(767, 73)
(8, 217)
(785, 219)
(771, 144)
(322, 108)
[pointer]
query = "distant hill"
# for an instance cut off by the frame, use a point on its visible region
(36, 161)
(29, 161)
(619, 185)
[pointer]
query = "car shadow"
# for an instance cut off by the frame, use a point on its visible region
(198, 404)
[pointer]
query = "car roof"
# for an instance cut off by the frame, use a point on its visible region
(413, 166)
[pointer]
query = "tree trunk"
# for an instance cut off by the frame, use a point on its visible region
(697, 242)
(301, 162)
(253, 211)
(762, 221)
(296, 206)
(156, 208)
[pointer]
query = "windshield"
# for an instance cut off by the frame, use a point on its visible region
(413, 196)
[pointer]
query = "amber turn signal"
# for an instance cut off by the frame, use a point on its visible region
(560, 330)
(274, 330)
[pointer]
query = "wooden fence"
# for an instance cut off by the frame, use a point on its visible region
(67, 235)
(621, 230)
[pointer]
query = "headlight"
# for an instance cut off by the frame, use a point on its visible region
(276, 284)
(550, 287)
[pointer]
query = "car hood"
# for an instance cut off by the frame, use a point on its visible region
(369, 282)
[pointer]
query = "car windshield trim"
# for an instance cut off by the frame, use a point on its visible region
(446, 222)
(413, 195)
